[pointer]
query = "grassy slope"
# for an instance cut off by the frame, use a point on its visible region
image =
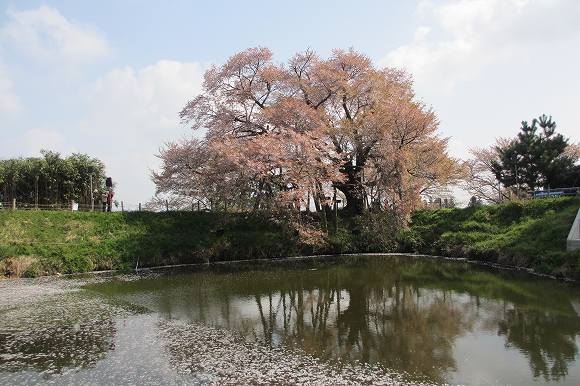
(528, 233)
(77, 242)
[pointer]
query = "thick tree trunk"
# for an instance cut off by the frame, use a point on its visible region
(352, 188)
(355, 199)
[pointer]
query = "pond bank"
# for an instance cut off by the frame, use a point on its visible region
(528, 235)
(307, 259)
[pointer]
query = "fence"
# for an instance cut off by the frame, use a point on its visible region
(120, 206)
(197, 205)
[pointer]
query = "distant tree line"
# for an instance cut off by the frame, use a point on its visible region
(537, 158)
(51, 178)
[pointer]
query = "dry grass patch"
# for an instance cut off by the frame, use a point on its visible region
(17, 266)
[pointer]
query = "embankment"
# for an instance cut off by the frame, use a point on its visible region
(529, 234)
(37, 242)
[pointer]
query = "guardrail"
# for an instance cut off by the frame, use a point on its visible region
(117, 206)
(573, 240)
(72, 206)
(556, 192)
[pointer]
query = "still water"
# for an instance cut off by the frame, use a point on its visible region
(379, 320)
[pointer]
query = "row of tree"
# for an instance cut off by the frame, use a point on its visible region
(298, 135)
(538, 158)
(51, 179)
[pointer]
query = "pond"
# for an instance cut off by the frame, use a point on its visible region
(357, 319)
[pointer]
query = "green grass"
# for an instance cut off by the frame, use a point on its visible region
(529, 233)
(78, 242)
(526, 233)
(35, 243)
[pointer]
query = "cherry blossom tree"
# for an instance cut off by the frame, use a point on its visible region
(289, 134)
(479, 179)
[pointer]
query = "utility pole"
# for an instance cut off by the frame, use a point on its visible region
(36, 193)
(92, 195)
(519, 157)
(335, 213)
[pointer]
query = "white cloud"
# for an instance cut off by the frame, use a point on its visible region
(128, 114)
(122, 118)
(486, 65)
(45, 33)
(152, 96)
(43, 139)
(132, 113)
(9, 102)
(466, 36)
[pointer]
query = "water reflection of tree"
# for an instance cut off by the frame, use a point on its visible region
(548, 340)
(405, 315)
(532, 315)
(402, 325)
(57, 347)
(393, 325)
(51, 337)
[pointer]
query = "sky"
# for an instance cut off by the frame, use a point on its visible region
(108, 78)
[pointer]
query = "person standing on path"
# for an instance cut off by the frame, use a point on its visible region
(104, 198)
(110, 200)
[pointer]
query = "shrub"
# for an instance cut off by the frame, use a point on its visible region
(525, 233)
(409, 241)
(20, 266)
(376, 232)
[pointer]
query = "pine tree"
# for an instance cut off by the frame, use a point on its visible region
(536, 158)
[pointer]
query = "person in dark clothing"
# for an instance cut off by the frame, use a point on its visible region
(110, 200)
